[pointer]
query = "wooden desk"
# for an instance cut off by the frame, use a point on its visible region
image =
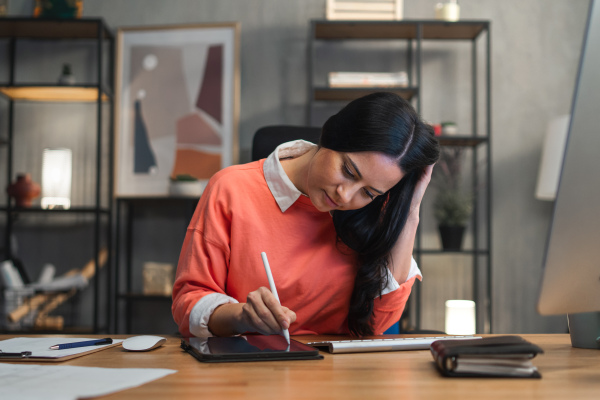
(567, 373)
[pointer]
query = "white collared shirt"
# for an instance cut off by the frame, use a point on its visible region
(285, 194)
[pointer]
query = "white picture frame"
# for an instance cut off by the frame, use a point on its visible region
(177, 105)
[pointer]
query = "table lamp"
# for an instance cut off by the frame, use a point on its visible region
(56, 178)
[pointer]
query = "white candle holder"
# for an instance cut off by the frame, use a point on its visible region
(460, 317)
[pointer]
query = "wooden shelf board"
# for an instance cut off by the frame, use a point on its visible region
(462, 141)
(453, 30)
(52, 93)
(67, 330)
(72, 210)
(158, 198)
(347, 94)
(467, 252)
(142, 297)
(406, 29)
(36, 28)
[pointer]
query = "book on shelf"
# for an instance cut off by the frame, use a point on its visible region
(367, 79)
(497, 356)
(364, 10)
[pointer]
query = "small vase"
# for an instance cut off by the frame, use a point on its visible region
(66, 78)
(23, 190)
(452, 237)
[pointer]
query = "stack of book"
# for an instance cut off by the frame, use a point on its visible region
(365, 10)
(368, 79)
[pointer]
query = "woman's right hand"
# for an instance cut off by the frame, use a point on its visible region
(262, 313)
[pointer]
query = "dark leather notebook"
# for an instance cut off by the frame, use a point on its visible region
(497, 356)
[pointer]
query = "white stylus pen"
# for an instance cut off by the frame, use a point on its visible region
(286, 333)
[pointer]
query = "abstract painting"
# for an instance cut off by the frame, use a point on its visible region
(177, 105)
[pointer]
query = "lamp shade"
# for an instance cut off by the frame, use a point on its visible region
(552, 158)
(56, 178)
(460, 317)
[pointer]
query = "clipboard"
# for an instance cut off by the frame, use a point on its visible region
(248, 348)
(37, 349)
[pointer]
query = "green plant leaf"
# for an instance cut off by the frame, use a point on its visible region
(452, 207)
(184, 178)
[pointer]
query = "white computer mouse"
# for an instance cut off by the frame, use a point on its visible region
(143, 343)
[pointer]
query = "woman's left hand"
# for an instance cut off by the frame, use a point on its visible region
(420, 189)
(401, 256)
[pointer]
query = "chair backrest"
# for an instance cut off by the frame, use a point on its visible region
(267, 138)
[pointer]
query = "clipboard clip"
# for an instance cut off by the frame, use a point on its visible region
(23, 354)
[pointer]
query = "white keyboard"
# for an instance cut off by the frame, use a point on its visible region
(392, 344)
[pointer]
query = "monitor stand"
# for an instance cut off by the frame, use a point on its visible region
(585, 330)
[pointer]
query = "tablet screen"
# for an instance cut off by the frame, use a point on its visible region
(247, 348)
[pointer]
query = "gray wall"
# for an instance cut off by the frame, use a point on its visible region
(535, 51)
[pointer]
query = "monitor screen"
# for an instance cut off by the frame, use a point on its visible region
(571, 276)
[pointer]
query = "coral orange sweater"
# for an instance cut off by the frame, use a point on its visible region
(237, 218)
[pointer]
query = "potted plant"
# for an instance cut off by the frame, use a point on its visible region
(452, 206)
(185, 186)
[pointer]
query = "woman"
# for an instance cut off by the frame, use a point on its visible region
(337, 222)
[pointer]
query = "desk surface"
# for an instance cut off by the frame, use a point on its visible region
(567, 373)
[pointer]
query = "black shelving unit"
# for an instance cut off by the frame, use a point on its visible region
(414, 33)
(126, 294)
(95, 32)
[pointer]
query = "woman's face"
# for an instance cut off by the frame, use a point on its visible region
(349, 181)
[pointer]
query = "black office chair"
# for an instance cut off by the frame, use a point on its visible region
(266, 139)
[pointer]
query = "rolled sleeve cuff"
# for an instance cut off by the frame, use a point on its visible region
(392, 283)
(202, 311)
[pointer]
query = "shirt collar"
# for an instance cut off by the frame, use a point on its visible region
(282, 188)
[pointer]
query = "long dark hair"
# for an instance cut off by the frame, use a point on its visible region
(381, 122)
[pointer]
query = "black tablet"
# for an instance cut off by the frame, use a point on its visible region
(248, 348)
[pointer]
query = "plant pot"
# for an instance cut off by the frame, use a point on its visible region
(452, 237)
(186, 188)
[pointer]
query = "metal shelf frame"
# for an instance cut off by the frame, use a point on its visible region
(100, 92)
(414, 32)
(124, 233)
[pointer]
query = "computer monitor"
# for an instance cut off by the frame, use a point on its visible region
(571, 277)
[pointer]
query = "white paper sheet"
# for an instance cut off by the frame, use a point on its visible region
(55, 382)
(40, 347)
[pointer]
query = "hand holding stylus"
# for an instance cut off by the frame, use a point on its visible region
(261, 313)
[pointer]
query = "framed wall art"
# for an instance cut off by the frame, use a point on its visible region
(177, 106)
